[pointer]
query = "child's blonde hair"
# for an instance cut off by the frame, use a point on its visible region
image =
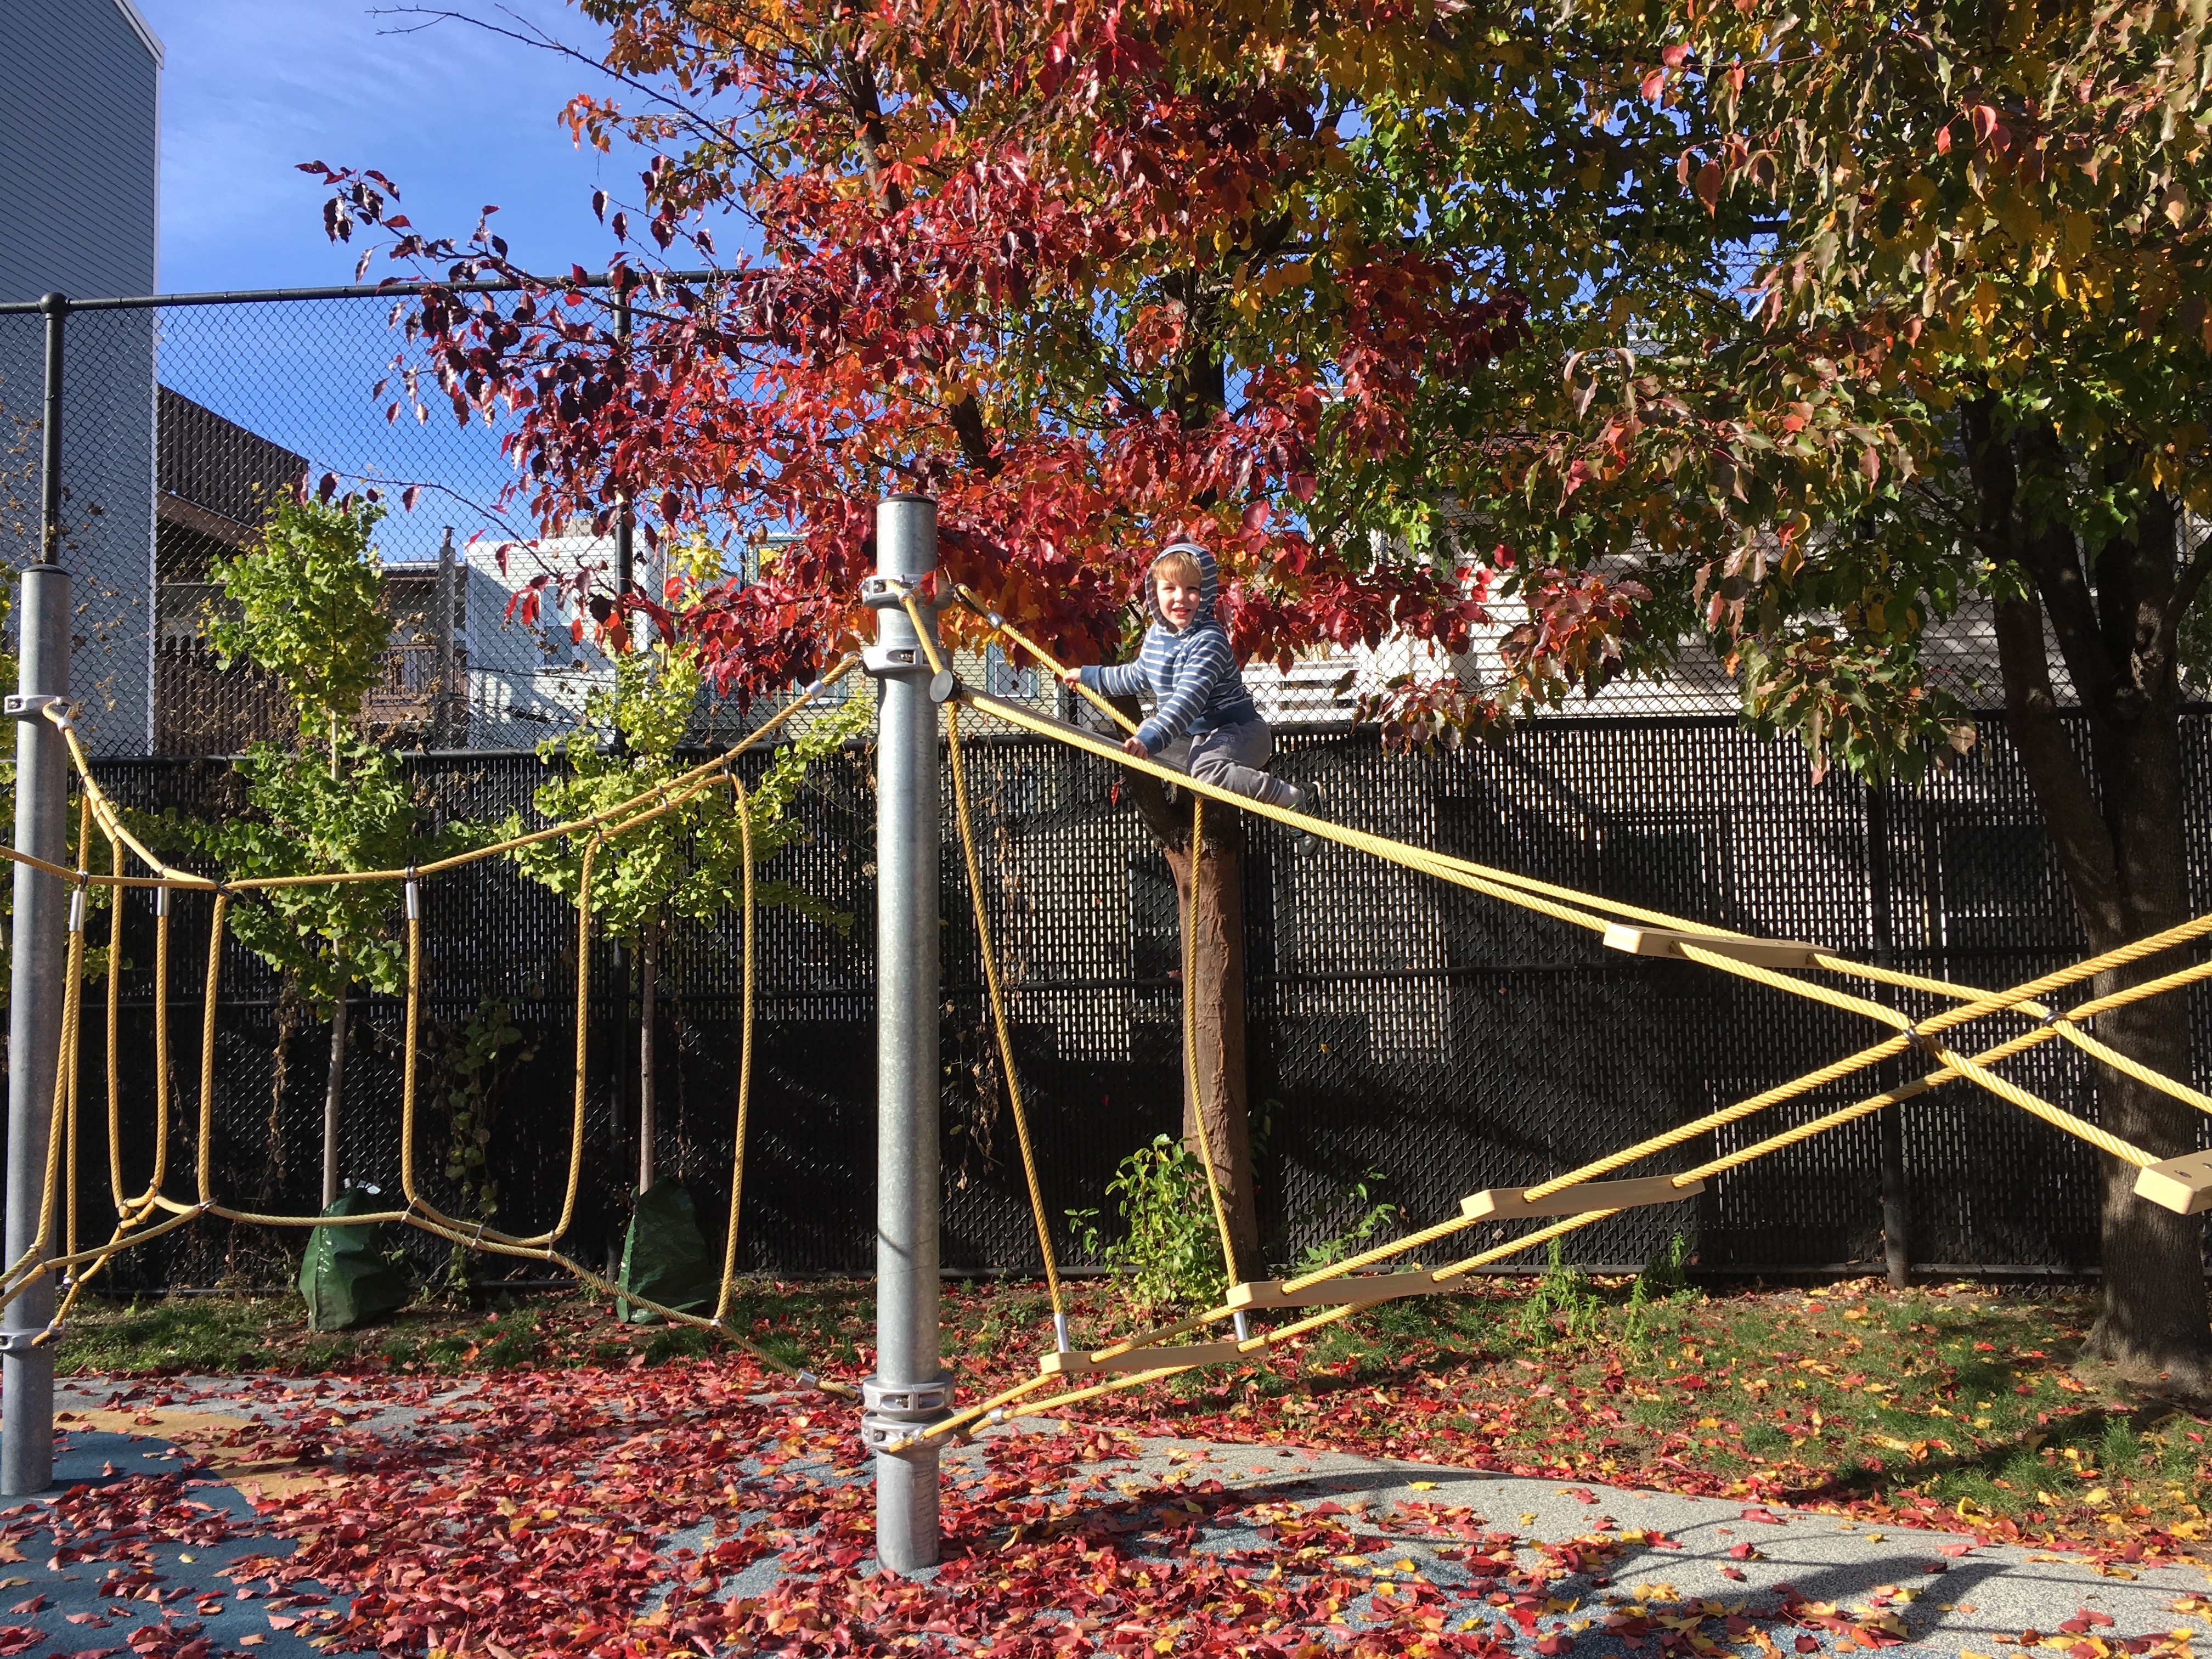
(1181, 564)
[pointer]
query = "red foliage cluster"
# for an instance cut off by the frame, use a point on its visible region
(1032, 264)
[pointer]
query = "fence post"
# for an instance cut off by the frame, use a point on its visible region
(626, 514)
(35, 990)
(619, 280)
(445, 731)
(1896, 1197)
(910, 1387)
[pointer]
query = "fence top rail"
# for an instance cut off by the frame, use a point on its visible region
(391, 287)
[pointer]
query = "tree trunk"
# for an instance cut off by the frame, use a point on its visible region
(647, 1123)
(1219, 1103)
(2120, 842)
(1218, 967)
(334, 1097)
(2152, 1317)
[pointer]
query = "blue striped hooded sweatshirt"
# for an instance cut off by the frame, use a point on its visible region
(1191, 674)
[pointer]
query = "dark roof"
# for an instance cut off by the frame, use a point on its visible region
(216, 464)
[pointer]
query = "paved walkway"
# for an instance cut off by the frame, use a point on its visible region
(1649, 1566)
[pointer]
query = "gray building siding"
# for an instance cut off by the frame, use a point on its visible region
(80, 136)
(79, 151)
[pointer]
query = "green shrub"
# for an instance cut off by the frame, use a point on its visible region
(1560, 1304)
(1169, 1254)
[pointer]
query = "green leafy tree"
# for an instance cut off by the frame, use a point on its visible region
(304, 602)
(688, 864)
(1881, 316)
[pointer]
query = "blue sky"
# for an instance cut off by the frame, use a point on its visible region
(457, 116)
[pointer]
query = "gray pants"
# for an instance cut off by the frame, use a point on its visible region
(1231, 757)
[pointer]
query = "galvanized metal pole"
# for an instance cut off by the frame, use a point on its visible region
(626, 514)
(910, 1387)
(620, 279)
(447, 729)
(34, 1010)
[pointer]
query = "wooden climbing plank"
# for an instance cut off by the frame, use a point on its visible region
(1508, 1203)
(1137, 1359)
(1359, 1289)
(1667, 942)
(2182, 1184)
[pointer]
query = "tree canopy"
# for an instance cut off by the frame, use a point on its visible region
(1793, 328)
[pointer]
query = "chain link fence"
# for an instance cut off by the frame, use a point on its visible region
(181, 417)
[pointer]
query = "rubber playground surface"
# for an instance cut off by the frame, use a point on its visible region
(688, 1510)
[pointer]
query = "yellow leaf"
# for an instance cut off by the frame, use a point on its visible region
(1425, 1485)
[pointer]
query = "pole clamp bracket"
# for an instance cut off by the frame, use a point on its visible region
(891, 593)
(30, 706)
(20, 1342)
(892, 1412)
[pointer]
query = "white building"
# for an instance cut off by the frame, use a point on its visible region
(529, 681)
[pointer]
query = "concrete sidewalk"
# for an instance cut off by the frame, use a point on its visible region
(1946, 1592)
(1652, 1571)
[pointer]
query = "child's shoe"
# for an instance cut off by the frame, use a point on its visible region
(1314, 806)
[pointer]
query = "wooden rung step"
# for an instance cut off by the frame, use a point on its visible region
(1508, 1203)
(2182, 1184)
(1357, 1288)
(1667, 942)
(1137, 1359)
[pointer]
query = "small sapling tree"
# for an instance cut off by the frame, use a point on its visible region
(688, 864)
(305, 604)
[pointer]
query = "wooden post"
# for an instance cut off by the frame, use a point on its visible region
(1896, 1199)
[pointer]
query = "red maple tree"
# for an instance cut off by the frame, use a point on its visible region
(1080, 272)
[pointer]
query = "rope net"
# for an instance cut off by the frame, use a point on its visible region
(146, 1215)
(1345, 1288)
(1580, 1197)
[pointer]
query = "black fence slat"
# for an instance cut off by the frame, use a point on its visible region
(1402, 1032)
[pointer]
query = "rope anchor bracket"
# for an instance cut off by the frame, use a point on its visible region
(18, 706)
(1669, 942)
(1359, 1290)
(1511, 1203)
(1138, 1359)
(891, 1413)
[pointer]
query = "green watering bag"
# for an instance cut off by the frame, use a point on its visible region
(345, 1279)
(665, 1257)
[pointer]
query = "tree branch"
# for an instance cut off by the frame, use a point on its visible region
(2046, 556)
(859, 80)
(2054, 772)
(2166, 640)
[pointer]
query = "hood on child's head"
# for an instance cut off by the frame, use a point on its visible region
(1209, 584)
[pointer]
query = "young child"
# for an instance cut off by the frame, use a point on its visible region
(1203, 720)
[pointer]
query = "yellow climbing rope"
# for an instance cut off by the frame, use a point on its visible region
(1706, 946)
(134, 1225)
(994, 994)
